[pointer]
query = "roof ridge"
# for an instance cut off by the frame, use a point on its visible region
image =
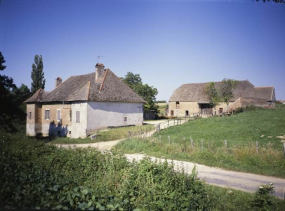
(215, 82)
(72, 95)
(88, 90)
(36, 94)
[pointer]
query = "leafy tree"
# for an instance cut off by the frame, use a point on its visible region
(2, 61)
(212, 93)
(11, 98)
(38, 80)
(147, 92)
(226, 90)
(21, 94)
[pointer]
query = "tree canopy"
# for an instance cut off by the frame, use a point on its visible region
(11, 98)
(2, 61)
(221, 93)
(148, 93)
(38, 80)
(212, 93)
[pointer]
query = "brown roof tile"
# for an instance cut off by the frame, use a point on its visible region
(195, 92)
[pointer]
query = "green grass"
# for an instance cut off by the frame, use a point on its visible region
(104, 135)
(40, 176)
(241, 132)
(162, 108)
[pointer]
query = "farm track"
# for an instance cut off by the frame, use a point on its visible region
(215, 176)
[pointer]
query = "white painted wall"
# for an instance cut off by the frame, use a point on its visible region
(30, 123)
(111, 114)
(78, 130)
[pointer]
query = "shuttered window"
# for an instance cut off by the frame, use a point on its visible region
(47, 114)
(77, 116)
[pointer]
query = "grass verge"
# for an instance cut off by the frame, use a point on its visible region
(240, 153)
(39, 176)
(105, 135)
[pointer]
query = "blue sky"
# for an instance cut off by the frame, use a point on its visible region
(168, 43)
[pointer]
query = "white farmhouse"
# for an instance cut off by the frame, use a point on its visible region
(83, 104)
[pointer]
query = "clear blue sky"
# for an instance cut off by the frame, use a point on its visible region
(168, 43)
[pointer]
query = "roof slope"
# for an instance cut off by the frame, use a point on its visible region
(107, 88)
(195, 92)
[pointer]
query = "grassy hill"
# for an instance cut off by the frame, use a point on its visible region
(241, 131)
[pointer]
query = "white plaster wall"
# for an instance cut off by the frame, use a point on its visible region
(78, 130)
(30, 123)
(111, 114)
(30, 129)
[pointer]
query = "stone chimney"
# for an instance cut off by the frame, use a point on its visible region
(58, 81)
(99, 70)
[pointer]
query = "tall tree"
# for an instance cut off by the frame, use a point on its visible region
(212, 93)
(148, 93)
(11, 107)
(38, 80)
(226, 89)
(223, 92)
(2, 61)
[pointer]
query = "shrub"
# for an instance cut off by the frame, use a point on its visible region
(263, 199)
(39, 176)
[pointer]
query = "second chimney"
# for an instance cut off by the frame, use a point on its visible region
(58, 81)
(99, 70)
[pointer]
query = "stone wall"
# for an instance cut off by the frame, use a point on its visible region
(53, 126)
(192, 108)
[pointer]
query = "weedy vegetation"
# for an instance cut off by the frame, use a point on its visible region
(242, 142)
(105, 135)
(40, 176)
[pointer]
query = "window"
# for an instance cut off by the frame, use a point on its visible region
(58, 115)
(177, 105)
(70, 115)
(220, 110)
(186, 113)
(171, 113)
(125, 118)
(47, 114)
(30, 115)
(77, 116)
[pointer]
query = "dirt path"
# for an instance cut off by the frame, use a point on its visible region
(224, 178)
(214, 176)
(106, 145)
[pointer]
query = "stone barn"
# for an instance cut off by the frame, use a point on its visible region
(191, 99)
(82, 105)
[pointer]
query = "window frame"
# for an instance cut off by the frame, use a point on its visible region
(58, 118)
(48, 114)
(77, 120)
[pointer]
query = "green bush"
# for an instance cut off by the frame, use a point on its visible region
(39, 176)
(263, 199)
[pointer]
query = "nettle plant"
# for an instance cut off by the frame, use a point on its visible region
(263, 199)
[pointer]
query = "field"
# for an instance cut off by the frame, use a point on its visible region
(105, 135)
(251, 144)
(40, 176)
(162, 108)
